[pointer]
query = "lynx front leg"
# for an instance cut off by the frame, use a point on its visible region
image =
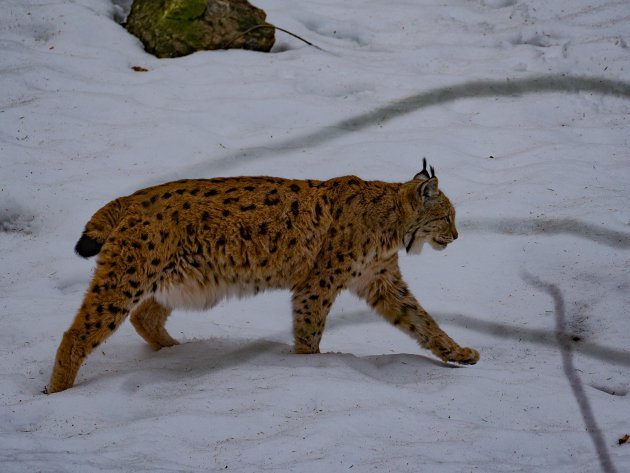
(149, 319)
(391, 298)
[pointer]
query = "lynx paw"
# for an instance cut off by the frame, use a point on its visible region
(464, 356)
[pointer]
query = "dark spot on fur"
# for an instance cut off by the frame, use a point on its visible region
(190, 229)
(180, 191)
(210, 193)
(175, 216)
(226, 213)
(245, 234)
(194, 191)
(205, 217)
(245, 208)
(131, 270)
(262, 229)
(113, 309)
(378, 198)
(146, 204)
(318, 210)
(144, 237)
(313, 297)
(155, 261)
(295, 208)
(135, 284)
(294, 188)
(269, 201)
(167, 195)
(322, 283)
(263, 263)
(230, 190)
(186, 206)
(221, 241)
(112, 326)
(159, 216)
(151, 245)
(289, 224)
(229, 200)
(292, 242)
(249, 188)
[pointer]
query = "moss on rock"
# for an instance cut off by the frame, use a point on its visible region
(173, 28)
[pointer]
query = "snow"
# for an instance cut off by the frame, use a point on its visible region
(541, 183)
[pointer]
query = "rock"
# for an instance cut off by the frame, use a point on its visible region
(173, 28)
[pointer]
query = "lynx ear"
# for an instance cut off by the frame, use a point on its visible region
(424, 174)
(429, 189)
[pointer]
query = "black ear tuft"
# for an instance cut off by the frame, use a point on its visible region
(424, 174)
(87, 246)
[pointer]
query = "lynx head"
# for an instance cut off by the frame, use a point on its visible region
(432, 217)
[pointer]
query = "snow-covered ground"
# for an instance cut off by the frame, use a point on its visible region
(540, 180)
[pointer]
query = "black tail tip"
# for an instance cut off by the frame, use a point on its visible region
(87, 246)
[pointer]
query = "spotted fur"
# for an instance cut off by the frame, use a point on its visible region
(189, 244)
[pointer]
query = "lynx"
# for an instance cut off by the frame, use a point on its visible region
(189, 244)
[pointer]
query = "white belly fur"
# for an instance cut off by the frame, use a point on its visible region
(193, 296)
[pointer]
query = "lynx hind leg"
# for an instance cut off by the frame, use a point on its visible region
(390, 297)
(97, 319)
(116, 288)
(149, 319)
